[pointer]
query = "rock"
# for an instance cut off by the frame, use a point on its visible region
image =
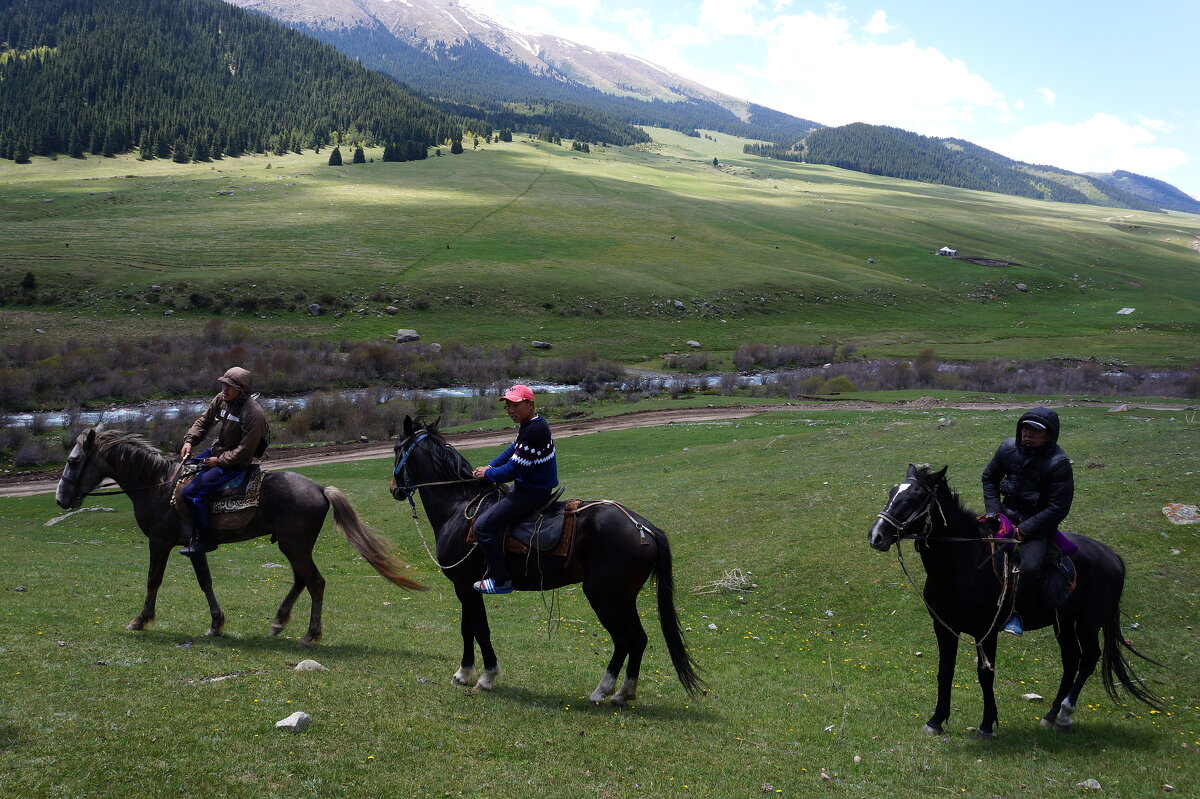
(1022, 287)
(693, 344)
(712, 626)
(392, 310)
(1179, 513)
(156, 288)
(435, 347)
(309, 665)
(337, 315)
(1031, 697)
(363, 439)
(405, 334)
(870, 260)
(677, 304)
(1119, 408)
(540, 345)
(295, 722)
(944, 422)
(1089, 784)
(169, 312)
(314, 310)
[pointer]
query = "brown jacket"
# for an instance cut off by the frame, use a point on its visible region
(242, 425)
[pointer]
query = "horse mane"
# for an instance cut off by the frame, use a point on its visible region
(447, 458)
(924, 473)
(137, 454)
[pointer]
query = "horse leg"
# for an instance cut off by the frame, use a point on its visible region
(204, 578)
(306, 575)
(474, 628)
(637, 648)
(629, 640)
(1089, 656)
(160, 552)
(985, 671)
(947, 655)
(284, 615)
(1068, 647)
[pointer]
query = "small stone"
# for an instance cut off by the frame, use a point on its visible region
(295, 722)
(1022, 287)
(1032, 697)
(1168, 788)
(169, 312)
(20, 589)
(1089, 785)
(712, 626)
(314, 310)
(310, 665)
(540, 345)
(392, 310)
(858, 758)
(693, 344)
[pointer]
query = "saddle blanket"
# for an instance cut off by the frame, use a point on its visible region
(240, 493)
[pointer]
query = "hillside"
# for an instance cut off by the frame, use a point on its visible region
(188, 79)
(892, 152)
(1156, 192)
(628, 252)
(451, 52)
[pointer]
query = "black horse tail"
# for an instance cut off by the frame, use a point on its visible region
(1115, 669)
(372, 546)
(685, 666)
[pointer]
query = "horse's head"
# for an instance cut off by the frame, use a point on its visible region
(83, 472)
(414, 454)
(909, 503)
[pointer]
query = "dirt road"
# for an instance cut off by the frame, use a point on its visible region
(28, 484)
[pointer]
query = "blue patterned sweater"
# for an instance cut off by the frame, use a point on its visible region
(529, 461)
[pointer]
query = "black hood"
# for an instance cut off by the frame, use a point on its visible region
(1044, 416)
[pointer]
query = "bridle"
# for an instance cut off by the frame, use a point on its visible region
(923, 511)
(405, 487)
(77, 481)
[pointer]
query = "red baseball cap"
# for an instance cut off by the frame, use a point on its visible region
(519, 393)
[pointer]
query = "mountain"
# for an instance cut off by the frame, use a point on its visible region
(1161, 194)
(449, 51)
(190, 79)
(892, 152)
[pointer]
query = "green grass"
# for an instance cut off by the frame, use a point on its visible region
(90, 709)
(522, 241)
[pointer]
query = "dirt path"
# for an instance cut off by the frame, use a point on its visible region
(28, 484)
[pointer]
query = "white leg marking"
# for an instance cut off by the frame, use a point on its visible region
(604, 690)
(464, 676)
(488, 681)
(627, 694)
(1066, 717)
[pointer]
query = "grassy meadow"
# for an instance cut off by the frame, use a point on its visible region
(521, 241)
(821, 676)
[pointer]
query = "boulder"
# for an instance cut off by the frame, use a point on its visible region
(1022, 287)
(404, 334)
(392, 310)
(314, 310)
(693, 344)
(540, 345)
(169, 312)
(309, 665)
(679, 306)
(295, 722)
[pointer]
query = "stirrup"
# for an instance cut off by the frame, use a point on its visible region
(1013, 626)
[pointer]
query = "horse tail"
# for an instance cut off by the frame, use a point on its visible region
(1115, 669)
(685, 666)
(372, 546)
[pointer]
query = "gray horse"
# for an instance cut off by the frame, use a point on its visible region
(291, 509)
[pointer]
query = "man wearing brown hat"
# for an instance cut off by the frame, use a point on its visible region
(243, 425)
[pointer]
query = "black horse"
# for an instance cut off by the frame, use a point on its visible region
(964, 595)
(291, 509)
(615, 552)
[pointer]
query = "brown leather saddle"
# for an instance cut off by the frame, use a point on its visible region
(231, 506)
(549, 532)
(1059, 577)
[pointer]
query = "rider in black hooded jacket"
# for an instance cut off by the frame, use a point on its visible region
(1030, 481)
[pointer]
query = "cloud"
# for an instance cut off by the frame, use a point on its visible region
(729, 17)
(878, 24)
(1048, 95)
(1103, 143)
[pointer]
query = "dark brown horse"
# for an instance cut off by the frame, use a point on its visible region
(291, 509)
(962, 595)
(616, 551)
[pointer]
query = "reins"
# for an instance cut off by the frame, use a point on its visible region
(923, 536)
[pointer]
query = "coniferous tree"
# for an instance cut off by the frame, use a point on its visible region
(456, 147)
(335, 157)
(359, 156)
(179, 151)
(21, 152)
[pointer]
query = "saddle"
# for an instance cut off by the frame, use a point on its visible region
(1058, 574)
(231, 506)
(549, 531)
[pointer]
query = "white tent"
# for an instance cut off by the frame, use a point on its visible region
(947, 251)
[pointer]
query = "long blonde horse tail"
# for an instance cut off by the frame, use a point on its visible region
(375, 548)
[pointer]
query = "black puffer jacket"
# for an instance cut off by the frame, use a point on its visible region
(1032, 487)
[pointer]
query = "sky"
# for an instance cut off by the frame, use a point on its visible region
(1086, 85)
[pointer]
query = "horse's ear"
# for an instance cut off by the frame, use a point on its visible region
(408, 425)
(90, 440)
(912, 471)
(433, 428)
(940, 477)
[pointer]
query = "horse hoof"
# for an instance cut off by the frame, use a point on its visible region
(213, 632)
(1064, 728)
(136, 624)
(1047, 723)
(929, 729)
(464, 677)
(985, 736)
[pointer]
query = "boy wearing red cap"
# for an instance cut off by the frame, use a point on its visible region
(530, 465)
